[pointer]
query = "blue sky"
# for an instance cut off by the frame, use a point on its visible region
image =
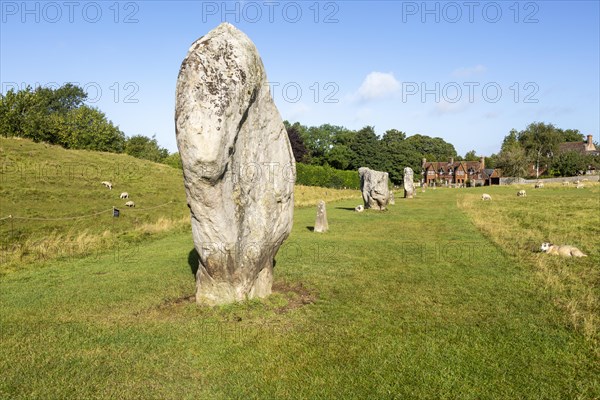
(466, 71)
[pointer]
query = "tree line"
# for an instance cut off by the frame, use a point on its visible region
(535, 151)
(346, 149)
(60, 116)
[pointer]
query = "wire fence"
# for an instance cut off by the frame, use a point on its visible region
(110, 210)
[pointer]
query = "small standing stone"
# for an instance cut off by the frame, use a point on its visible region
(321, 224)
(392, 199)
(409, 187)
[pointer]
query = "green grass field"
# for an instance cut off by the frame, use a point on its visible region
(441, 297)
(59, 208)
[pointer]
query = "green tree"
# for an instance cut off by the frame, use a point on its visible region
(436, 149)
(491, 161)
(339, 157)
(87, 128)
(365, 149)
(513, 160)
(173, 160)
(471, 156)
(540, 142)
(143, 147)
(394, 153)
(510, 139)
(570, 163)
(571, 135)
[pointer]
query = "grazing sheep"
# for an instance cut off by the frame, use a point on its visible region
(486, 196)
(130, 204)
(539, 185)
(521, 193)
(124, 195)
(359, 208)
(107, 184)
(565, 183)
(580, 186)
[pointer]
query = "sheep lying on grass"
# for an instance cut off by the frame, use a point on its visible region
(130, 204)
(486, 196)
(563, 250)
(107, 184)
(580, 186)
(521, 193)
(124, 195)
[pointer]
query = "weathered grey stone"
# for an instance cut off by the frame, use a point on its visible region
(238, 166)
(374, 188)
(409, 186)
(321, 224)
(392, 199)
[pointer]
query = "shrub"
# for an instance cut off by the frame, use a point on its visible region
(325, 176)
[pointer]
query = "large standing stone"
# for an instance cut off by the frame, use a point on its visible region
(321, 224)
(409, 185)
(374, 188)
(238, 166)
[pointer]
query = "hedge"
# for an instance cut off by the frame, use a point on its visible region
(325, 176)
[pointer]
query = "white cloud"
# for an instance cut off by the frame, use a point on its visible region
(378, 85)
(465, 72)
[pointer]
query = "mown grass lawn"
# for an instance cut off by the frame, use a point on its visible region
(415, 303)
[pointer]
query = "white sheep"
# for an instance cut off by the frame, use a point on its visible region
(580, 186)
(124, 195)
(107, 184)
(486, 196)
(359, 208)
(521, 193)
(130, 204)
(539, 185)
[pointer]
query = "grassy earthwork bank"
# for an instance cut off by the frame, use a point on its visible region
(53, 206)
(440, 297)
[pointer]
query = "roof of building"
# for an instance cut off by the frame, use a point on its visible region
(572, 146)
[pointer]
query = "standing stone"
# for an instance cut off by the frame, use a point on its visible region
(374, 188)
(409, 186)
(238, 166)
(321, 224)
(392, 199)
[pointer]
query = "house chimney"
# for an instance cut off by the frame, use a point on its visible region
(482, 162)
(452, 160)
(424, 162)
(589, 146)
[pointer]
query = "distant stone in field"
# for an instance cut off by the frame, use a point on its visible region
(238, 166)
(392, 199)
(374, 188)
(321, 224)
(359, 208)
(409, 186)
